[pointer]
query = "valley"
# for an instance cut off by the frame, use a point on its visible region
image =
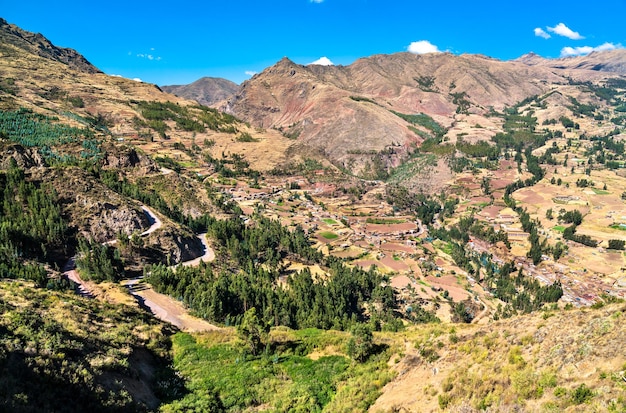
(407, 233)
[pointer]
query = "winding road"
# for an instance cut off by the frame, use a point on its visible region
(161, 306)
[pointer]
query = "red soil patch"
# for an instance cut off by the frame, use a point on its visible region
(388, 261)
(366, 264)
(450, 284)
(479, 199)
(387, 228)
(400, 282)
(429, 248)
(500, 183)
(491, 211)
(391, 246)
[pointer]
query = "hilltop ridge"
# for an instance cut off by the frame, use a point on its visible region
(37, 44)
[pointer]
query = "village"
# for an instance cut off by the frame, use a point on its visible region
(366, 232)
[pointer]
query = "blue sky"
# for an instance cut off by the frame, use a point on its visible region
(177, 42)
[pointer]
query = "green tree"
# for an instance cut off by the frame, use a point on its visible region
(253, 331)
(361, 343)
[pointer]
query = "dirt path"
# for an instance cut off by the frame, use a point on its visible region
(166, 308)
(83, 288)
(155, 222)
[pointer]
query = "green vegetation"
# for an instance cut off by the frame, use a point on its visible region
(99, 262)
(246, 137)
(570, 234)
(362, 99)
(32, 228)
(186, 118)
(31, 129)
(328, 235)
(384, 221)
(7, 85)
(558, 228)
(329, 221)
(460, 99)
(426, 83)
(248, 270)
(76, 101)
(424, 120)
(223, 377)
(61, 352)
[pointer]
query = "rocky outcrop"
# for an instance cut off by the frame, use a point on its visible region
(25, 158)
(175, 245)
(128, 157)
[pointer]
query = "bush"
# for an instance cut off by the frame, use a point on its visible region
(246, 137)
(582, 394)
(76, 101)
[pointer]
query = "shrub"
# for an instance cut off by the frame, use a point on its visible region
(76, 101)
(582, 394)
(246, 137)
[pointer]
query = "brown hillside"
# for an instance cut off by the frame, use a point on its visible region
(38, 45)
(58, 82)
(207, 90)
(613, 61)
(345, 113)
(540, 363)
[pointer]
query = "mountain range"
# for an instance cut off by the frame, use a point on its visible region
(302, 181)
(353, 115)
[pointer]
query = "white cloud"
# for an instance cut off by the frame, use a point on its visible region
(583, 50)
(562, 30)
(250, 72)
(136, 79)
(148, 56)
(317, 1)
(539, 32)
(322, 61)
(423, 46)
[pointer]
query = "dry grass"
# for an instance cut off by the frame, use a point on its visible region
(529, 364)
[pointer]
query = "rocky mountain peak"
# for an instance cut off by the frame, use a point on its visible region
(39, 45)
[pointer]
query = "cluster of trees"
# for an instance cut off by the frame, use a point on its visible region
(520, 293)
(31, 226)
(467, 226)
(33, 129)
(99, 262)
(537, 248)
(191, 119)
(424, 207)
(337, 301)
(250, 277)
(570, 234)
(232, 167)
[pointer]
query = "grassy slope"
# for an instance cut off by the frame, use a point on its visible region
(562, 361)
(60, 352)
(304, 371)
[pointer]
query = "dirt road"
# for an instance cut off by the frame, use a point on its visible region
(165, 308)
